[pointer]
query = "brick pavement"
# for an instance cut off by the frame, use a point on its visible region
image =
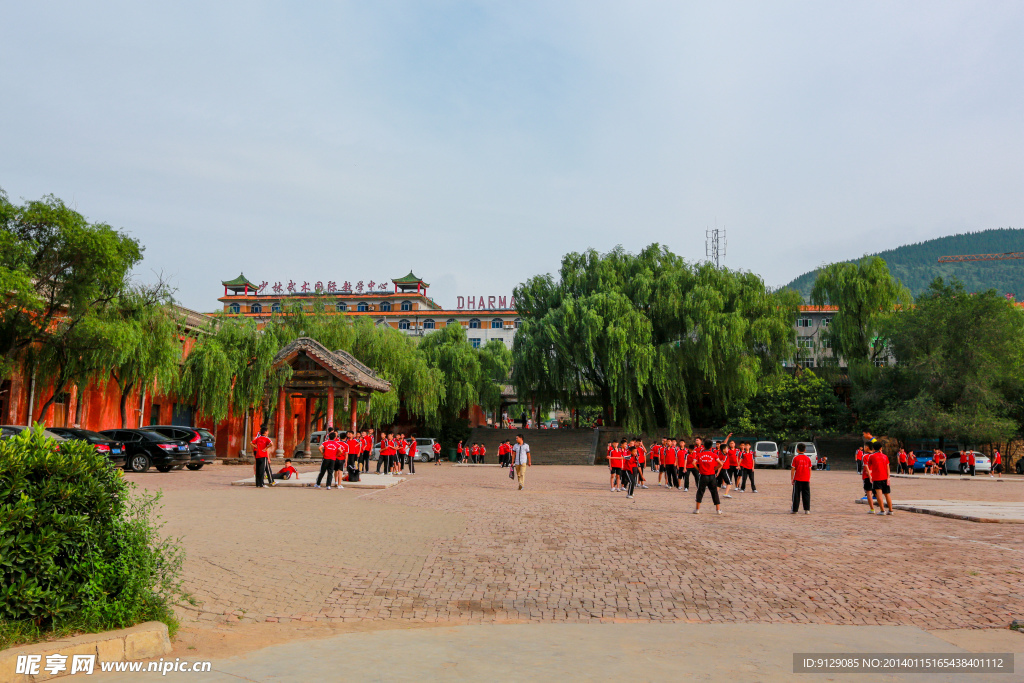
(461, 545)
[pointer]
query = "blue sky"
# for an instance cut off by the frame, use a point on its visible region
(477, 142)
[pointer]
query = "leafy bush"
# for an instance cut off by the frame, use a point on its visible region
(78, 550)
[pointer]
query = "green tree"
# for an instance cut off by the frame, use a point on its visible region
(449, 351)
(651, 339)
(958, 371)
(866, 296)
(57, 270)
(788, 407)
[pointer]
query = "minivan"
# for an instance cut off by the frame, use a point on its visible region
(766, 454)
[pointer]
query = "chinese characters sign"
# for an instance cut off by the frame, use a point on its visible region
(319, 287)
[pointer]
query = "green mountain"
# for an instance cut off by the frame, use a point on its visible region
(916, 265)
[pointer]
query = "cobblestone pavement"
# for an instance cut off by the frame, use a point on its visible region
(461, 545)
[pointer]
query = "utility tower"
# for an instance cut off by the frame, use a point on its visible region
(715, 245)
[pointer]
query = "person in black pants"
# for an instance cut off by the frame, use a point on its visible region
(328, 451)
(412, 455)
(707, 464)
(629, 468)
(800, 477)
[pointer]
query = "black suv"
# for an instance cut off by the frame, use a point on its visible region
(147, 448)
(113, 449)
(200, 442)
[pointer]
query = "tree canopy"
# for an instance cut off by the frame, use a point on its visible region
(788, 407)
(651, 339)
(958, 371)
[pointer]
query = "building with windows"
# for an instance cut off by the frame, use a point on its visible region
(813, 351)
(404, 305)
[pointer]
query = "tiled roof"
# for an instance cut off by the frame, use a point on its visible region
(339, 363)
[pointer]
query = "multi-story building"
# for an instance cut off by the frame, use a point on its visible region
(813, 350)
(404, 305)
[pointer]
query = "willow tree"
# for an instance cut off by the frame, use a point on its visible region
(449, 352)
(651, 339)
(391, 354)
(230, 366)
(866, 295)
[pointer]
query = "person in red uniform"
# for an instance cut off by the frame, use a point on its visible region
(382, 453)
(997, 464)
(747, 467)
(641, 459)
(800, 477)
(860, 460)
(691, 462)
(630, 464)
(458, 450)
(411, 453)
(734, 463)
(911, 462)
(970, 462)
(483, 453)
(877, 465)
(901, 460)
(707, 468)
(682, 471)
(329, 454)
(402, 449)
(656, 455)
(261, 453)
(865, 476)
(614, 465)
(354, 447)
(668, 460)
(287, 472)
(437, 453)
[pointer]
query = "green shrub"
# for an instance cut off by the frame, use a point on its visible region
(78, 550)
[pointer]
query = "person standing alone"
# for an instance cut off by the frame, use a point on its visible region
(800, 477)
(521, 459)
(261, 451)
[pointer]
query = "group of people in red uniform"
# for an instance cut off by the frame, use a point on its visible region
(344, 455)
(397, 451)
(711, 468)
(472, 454)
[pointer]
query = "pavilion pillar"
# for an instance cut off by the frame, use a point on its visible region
(330, 407)
(307, 418)
(353, 407)
(279, 451)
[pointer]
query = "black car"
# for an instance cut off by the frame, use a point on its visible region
(147, 448)
(113, 449)
(200, 442)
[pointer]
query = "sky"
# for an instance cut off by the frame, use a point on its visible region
(476, 143)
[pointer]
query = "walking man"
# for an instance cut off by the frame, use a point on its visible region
(800, 477)
(522, 459)
(261, 452)
(997, 464)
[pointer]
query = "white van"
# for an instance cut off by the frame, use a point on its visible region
(766, 454)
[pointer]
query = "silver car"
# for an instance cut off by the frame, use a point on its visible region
(981, 462)
(809, 450)
(766, 454)
(7, 431)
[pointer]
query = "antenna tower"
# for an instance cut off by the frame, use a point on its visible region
(715, 245)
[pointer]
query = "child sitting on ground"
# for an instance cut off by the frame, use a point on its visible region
(287, 472)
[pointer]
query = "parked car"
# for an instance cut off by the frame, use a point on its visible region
(201, 446)
(766, 454)
(113, 449)
(981, 462)
(147, 448)
(790, 451)
(315, 439)
(7, 431)
(424, 450)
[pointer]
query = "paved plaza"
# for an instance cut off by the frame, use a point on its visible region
(462, 546)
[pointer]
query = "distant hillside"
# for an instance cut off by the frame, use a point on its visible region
(916, 265)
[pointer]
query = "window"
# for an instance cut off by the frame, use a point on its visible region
(234, 308)
(385, 306)
(805, 342)
(340, 307)
(807, 362)
(474, 324)
(403, 324)
(451, 321)
(826, 343)
(880, 363)
(275, 308)
(406, 305)
(256, 308)
(826, 321)
(428, 324)
(363, 306)
(497, 324)
(803, 322)
(517, 323)
(474, 342)
(829, 362)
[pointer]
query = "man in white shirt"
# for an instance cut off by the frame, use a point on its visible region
(521, 459)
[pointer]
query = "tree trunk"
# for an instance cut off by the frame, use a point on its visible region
(124, 404)
(58, 389)
(78, 406)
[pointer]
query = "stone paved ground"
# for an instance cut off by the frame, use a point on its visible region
(461, 545)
